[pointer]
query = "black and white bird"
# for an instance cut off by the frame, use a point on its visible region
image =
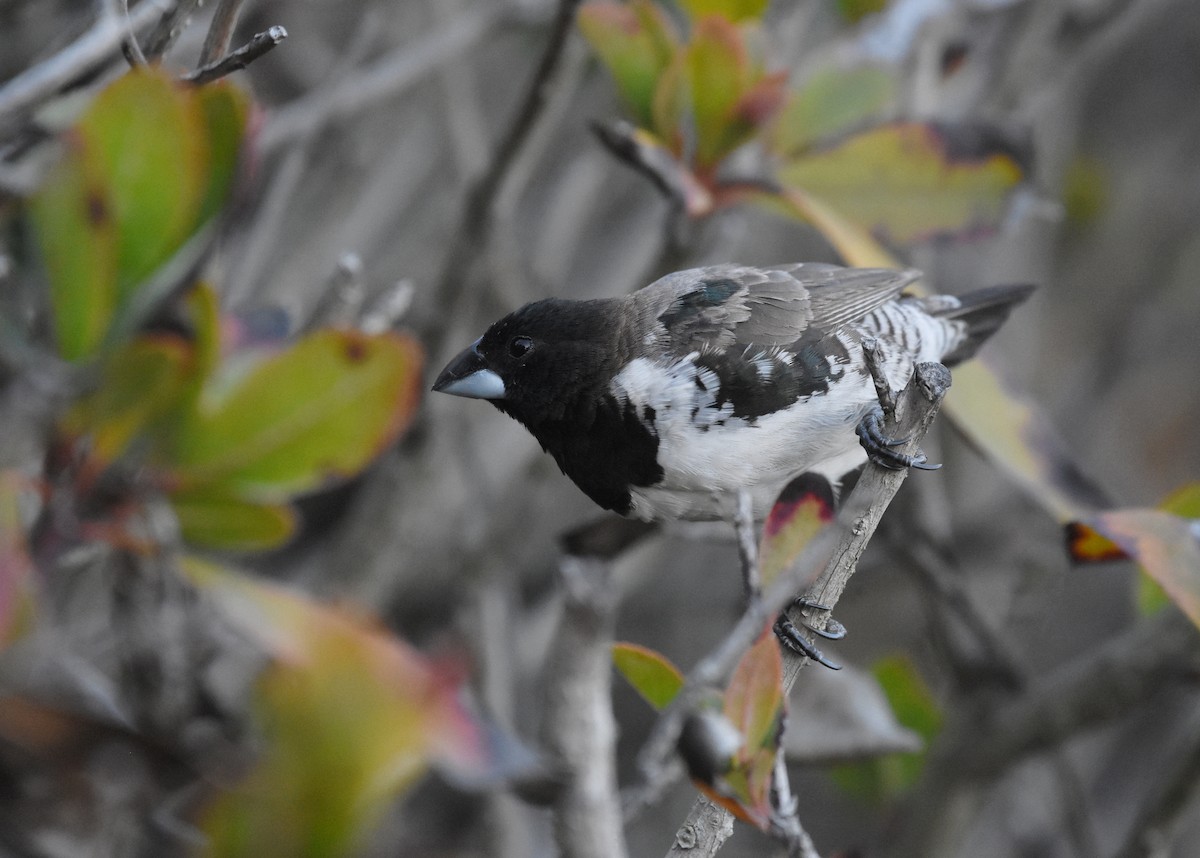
(665, 403)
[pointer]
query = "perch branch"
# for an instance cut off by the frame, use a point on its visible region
(836, 551)
(220, 31)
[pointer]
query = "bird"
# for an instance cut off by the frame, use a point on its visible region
(665, 403)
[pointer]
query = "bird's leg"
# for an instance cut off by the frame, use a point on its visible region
(747, 542)
(789, 633)
(870, 428)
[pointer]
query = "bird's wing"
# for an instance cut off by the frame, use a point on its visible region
(720, 306)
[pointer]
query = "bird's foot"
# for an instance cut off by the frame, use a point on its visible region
(879, 446)
(791, 636)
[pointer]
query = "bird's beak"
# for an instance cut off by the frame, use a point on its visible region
(468, 375)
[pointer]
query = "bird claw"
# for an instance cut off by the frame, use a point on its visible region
(791, 637)
(870, 435)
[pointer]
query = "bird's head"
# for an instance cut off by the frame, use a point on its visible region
(540, 361)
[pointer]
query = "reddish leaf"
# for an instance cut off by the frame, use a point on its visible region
(718, 74)
(649, 672)
(804, 508)
(1166, 545)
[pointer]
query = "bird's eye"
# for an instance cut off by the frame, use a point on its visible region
(518, 347)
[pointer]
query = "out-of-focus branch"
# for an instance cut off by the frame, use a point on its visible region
(239, 59)
(391, 74)
(579, 731)
(220, 31)
(470, 239)
(1089, 691)
(836, 552)
(94, 47)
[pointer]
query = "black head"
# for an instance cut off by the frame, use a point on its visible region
(541, 361)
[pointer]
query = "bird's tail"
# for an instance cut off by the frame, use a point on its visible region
(983, 311)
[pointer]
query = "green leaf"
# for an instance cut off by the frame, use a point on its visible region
(77, 236)
(230, 524)
(147, 141)
(147, 162)
(828, 104)
(889, 776)
(224, 109)
(718, 73)
(350, 717)
(803, 509)
(855, 10)
(142, 382)
(636, 44)
(738, 11)
(305, 417)
(649, 672)
(912, 181)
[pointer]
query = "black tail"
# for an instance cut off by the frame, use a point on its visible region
(984, 311)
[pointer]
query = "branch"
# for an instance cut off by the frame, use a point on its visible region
(470, 238)
(94, 47)
(836, 551)
(579, 730)
(220, 31)
(239, 59)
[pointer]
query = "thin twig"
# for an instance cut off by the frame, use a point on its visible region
(119, 9)
(94, 47)
(747, 543)
(220, 32)
(172, 22)
(470, 239)
(239, 59)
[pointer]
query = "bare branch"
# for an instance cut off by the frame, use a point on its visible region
(579, 730)
(220, 31)
(239, 59)
(94, 47)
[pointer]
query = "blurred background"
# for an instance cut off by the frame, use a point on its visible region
(377, 122)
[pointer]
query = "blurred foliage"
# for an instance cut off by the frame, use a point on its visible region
(172, 401)
(650, 674)
(886, 778)
(350, 716)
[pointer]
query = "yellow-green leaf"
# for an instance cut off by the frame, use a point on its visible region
(147, 162)
(311, 415)
(77, 236)
(649, 672)
(230, 524)
(802, 510)
(635, 42)
(828, 104)
(718, 73)
(738, 11)
(912, 181)
(141, 382)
